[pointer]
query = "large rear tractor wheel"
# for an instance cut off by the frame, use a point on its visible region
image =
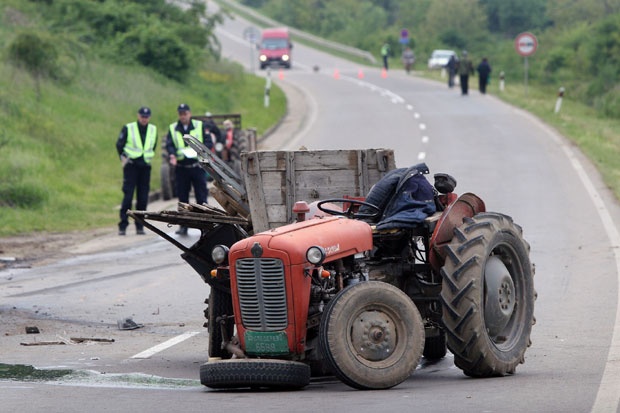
(254, 373)
(240, 144)
(488, 295)
(167, 183)
(371, 335)
(219, 304)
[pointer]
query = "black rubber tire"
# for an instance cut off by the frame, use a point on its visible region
(371, 363)
(255, 373)
(240, 144)
(220, 303)
(167, 190)
(436, 347)
(476, 351)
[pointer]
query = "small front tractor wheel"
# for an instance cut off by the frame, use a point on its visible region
(488, 295)
(254, 373)
(371, 335)
(220, 304)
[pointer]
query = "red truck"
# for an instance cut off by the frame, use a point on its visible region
(275, 48)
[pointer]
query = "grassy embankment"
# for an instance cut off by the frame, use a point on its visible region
(58, 151)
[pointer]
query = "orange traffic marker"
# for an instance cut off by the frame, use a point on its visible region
(360, 74)
(280, 74)
(336, 74)
(383, 73)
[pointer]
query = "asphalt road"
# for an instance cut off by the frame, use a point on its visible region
(516, 164)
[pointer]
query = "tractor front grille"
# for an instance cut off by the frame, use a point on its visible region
(262, 293)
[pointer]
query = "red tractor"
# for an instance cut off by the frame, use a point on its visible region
(362, 289)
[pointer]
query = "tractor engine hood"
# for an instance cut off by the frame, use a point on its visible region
(339, 237)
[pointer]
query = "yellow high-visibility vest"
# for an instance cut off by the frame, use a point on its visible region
(179, 143)
(134, 147)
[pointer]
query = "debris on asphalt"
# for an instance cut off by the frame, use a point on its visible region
(32, 330)
(72, 340)
(98, 340)
(128, 324)
(44, 343)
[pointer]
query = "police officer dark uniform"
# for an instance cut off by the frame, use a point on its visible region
(187, 169)
(136, 147)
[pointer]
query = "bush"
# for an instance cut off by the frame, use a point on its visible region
(34, 52)
(609, 103)
(22, 195)
(158, 49)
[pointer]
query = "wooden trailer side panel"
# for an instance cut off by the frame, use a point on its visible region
(275, 180)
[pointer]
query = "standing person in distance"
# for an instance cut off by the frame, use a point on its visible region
(385, 53)
(136, 148)
(229, 138)
(484, 71)
(211, 127)
(185, 159)
(408, 59)
(451, 67)
(465, 68)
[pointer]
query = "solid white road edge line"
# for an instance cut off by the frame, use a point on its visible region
(166, 344)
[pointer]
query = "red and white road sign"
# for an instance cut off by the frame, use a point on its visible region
(526, 44)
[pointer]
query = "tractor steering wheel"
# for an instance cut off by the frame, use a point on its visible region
(351, 211)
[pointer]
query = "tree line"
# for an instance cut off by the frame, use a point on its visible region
(171, 40)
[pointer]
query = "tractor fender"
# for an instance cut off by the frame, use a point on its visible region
(466, 206)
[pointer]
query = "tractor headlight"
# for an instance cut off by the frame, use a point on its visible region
(285, 58)
(262, 58)
(315, 255)
(219, 254)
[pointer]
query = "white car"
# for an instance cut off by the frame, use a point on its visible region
(439, 58)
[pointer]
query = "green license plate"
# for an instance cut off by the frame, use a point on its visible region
(266, 343)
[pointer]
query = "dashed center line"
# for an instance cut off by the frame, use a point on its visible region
(165, 345)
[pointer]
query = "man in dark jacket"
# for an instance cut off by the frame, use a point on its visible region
(451, 69)
(465, 68)
(484, 70)
(136, 147)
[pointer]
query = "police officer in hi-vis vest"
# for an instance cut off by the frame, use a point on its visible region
(136, 148)
(185, 159)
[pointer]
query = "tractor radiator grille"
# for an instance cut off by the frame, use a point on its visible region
(262, 293)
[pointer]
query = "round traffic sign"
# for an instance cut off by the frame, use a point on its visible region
(526, 44)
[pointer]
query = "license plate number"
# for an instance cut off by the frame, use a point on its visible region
(266, 343)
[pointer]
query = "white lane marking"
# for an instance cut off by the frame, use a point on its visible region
(384, 92)
(416, 115)
(409, 107)
(425, 139)
(422, 126)
(608, 396)
(165, 345)
(421, 156)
